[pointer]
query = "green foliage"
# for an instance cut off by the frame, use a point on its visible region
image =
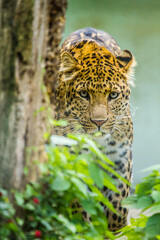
(69, 189)
(8, 221)
(70, 184)
(146, 198)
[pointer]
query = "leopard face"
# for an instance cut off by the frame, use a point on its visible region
(96, 87)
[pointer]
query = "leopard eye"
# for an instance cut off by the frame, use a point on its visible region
(84, 94)
(113, 95)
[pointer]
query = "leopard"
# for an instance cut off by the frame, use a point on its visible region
(95, 79)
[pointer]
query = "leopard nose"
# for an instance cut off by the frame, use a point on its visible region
(99, 123)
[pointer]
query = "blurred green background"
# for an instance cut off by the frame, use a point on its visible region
(136, 26)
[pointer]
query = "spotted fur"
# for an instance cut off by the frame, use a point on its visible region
(94, 92)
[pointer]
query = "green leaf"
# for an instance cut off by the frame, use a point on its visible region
(80, 185)
(130, 202)
(157, 187)
(98, 152)
(19, 198)
(143, 188)
(111, 170)
(3, 206)
(61, 140)
(65, 221)
(96, 174)
(60, 184)
(139, 203)
(156, 196)
(89, 207)
(155, 207)
(108, 183)
(29, 192)
(144, 202)
(153, 226)
(20, 221)
(46, 224)
(61, 122)
(101, 198)
(29, 207)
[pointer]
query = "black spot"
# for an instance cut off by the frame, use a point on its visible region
(119, 219)
(120, 208)
(80, 45)
(112, 143)
(114, 177)
(117, 194)
(123, 193)
(72, 152)
(123, 154)
(111, 152)
(102, 204)
(105, 188)
(120, 185)
(124, 210)
(123, 170)
(88, 32)
(87, 72)
(115, 204)
(85, 58)
(119, 226)
(113, 225)
(110, 71)
(89, 78)
(122, 145)
(124, 221)
(107, 56)
(110, 198)
(67, 113)
(114, 217)
(130, 136)
(84, 214)
(68, 94)
(120, 65)
(119, 164)
(107, 214)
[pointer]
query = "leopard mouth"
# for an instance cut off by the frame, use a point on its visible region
(97, 131)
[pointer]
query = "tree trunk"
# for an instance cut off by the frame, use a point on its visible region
(30, 33)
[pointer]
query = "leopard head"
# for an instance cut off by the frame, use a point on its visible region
(94, 88)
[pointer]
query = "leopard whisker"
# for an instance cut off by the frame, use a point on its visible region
(118, 129)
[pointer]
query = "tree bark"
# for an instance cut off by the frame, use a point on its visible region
(30, 33)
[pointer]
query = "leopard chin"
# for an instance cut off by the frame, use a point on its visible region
(97, 132)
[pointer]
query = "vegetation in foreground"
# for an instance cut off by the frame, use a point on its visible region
(70, 184)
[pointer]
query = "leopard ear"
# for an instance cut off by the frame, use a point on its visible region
(68, 67)
(127, 62)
